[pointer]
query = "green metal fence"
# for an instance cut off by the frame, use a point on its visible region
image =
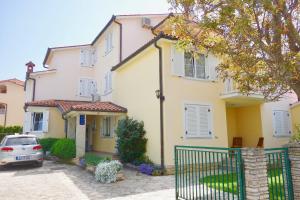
(209, 173)
(279, 174)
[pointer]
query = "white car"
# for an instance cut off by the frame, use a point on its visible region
(21, 149)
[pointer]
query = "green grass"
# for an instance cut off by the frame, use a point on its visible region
(93, 159)
(228, 183)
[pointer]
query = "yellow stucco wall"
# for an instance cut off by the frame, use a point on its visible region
(101, 143)
(231, 118)
(14, 98)
(134, 88)
(295, 112)
(56, 124)
(179, 90)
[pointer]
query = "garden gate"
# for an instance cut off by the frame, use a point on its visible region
(218, 173)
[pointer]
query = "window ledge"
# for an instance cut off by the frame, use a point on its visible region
(198, 79)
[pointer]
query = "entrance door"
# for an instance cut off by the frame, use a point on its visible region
(88, 138)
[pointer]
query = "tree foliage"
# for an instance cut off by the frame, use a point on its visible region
(258, 40)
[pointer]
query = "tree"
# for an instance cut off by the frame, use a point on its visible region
(258, 40)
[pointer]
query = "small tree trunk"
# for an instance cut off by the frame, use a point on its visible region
(296, 89)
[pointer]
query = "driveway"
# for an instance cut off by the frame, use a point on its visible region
(61, 181)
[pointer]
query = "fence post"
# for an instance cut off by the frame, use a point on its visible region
(294, 154)
(256, 176)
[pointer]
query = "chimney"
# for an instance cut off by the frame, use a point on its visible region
(30, 65)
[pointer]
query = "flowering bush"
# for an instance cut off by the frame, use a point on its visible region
(146, 169)
(106, 172)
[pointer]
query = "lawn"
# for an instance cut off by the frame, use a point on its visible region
(228, 183)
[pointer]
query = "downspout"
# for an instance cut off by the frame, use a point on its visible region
(5, 114)
(161, 107)
(121, 42)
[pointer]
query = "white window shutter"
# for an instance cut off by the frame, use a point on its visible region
(281, 123)
(45, 121)
(212, 63)
(177, 61)
(93, 56)
(191, 121)
(83, 57)
(82, 87)
(205, 121)
(110, 80)
(27, 122)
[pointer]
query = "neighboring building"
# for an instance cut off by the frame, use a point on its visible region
(132, 69)
(12, 96)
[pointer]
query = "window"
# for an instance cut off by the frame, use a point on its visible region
(3, 89)
(87, 87)
(194, 66)
(21, 141)
(199, 67)
(198, 120)
(281, 123)
(2, 109)
(88, 57)
(37, 121)
(107, 126)
(108, 82)
(108, 42)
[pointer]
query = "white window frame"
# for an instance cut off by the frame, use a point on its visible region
(33, 121)
(103, 127)
(210, 125)
(287, 134)
(194, 65)
(108, 42)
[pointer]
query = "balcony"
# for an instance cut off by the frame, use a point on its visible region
(233, 97)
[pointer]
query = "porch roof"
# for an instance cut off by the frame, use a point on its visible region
(66, 106)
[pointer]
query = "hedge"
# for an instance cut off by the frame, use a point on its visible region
(47, 143)
(64, 149)
(9, 130)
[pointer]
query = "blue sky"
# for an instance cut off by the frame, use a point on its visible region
(29, 27)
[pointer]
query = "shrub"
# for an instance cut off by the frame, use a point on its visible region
(64, 149)
(296, 136)
(146, 169)
(93, 159)
(47, 143)
(106, 172)
(9, 130)
(142, 160)
(131, 140)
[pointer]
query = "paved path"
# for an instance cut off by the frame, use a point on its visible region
(60, 181)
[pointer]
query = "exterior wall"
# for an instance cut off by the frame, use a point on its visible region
(231, 118)
(179, 90)
(56, 124)
(249, 124)
(267, 122)
(67, 75)
(295, 112)
(101, 143)
(134, 88)
(14, 98)
(134, 35)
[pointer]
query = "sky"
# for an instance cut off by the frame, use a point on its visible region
(29, 27)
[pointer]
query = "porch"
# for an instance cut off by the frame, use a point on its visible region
(244, 122)
(93, 130)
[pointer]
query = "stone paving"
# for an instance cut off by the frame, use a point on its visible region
(56, 181)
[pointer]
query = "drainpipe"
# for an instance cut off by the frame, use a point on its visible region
(121, 29)
(5, 114)
(161, 107)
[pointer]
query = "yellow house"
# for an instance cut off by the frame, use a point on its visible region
(129, 70)
(12, 97)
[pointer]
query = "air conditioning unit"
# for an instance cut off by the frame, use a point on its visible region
(146, 22)
(96, 97)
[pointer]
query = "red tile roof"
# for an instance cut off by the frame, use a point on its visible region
(66, 106)
(13, 80)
